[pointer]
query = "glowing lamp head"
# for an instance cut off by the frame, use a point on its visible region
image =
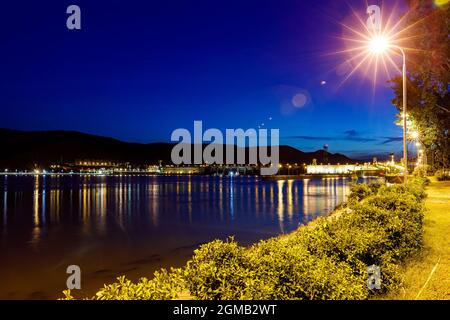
(378, 45)
(415, 135)
(441, 3)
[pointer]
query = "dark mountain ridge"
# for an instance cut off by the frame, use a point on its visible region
(30, 149)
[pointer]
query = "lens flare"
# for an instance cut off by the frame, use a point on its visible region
(370, 52)
(441, 3)
(379, 45)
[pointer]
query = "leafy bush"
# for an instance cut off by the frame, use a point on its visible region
(421, 171)
(164, 286)
(442, 175)
(359, 191)
(282, 271)
(359, 238)
(218, 270)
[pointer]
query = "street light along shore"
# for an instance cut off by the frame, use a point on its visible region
(376, 41)
(379, 45)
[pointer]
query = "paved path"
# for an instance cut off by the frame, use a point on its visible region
(427, 276)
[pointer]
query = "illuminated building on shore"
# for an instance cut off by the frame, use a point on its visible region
(173, 170)
(339, 169)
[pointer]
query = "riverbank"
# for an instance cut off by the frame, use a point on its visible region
(329, 259)
(426, 276)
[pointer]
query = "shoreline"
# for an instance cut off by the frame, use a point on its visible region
(263, 178)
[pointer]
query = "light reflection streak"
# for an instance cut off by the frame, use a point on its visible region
(290, 200)
(5, 207)
(120, 205)
(86, 207)
(256, 200)
(190, 200)
(43, 206)
(101, 206)
(155, 203)
(306, 209)
(280, 204)
(231, 188)
(129, 197)
(36, 233)
(271, 200)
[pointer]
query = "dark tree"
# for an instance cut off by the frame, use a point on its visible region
(426, 39)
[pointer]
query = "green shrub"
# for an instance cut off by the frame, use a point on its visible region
(281, 271)
(415, 187)
(359, 191)
(164, 286)
(354, 239)
(421, 171)
(442, 175)
(218, 270)
(404, 217)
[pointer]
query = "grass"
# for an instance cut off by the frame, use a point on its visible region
(427, 275)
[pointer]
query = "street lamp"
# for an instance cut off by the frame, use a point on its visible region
(378, 45)
(379, 41)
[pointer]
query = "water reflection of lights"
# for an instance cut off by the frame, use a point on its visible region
(263, 195)
(271, 200)
(55, 195)
(231, 190)
(102, 204)
(290, 200)
(323, 194)
(36, 233)
(129, 194)
(306, 209)
(86, 208)
(43, 206)
(5, 207)
(256, 200)
(119, 194)
(190, 199)
(155, 203)
(280, 204)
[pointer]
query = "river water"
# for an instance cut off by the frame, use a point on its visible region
(134, 225)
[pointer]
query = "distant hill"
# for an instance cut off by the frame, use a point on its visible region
(25, 149)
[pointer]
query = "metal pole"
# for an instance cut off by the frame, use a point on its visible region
(405, 129)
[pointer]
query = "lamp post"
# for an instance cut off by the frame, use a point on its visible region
(378, 45)
(405, 96)
(376, 40)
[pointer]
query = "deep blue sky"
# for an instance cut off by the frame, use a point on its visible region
(140, 69)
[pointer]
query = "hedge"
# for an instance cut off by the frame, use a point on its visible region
(328, 259)
(443, 174)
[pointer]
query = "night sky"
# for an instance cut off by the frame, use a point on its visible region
(140, 69)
